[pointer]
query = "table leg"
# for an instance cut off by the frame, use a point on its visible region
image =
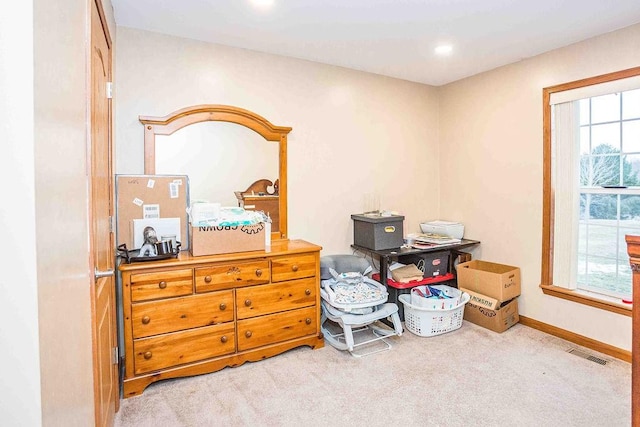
(384, 268)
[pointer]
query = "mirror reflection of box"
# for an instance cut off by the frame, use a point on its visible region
(166, 229)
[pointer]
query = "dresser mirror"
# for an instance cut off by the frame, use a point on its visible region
(224, 150)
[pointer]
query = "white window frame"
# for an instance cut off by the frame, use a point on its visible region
(600, 85)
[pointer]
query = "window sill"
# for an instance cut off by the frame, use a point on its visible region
(588, 298)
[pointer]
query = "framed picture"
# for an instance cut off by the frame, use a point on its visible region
(150, 231)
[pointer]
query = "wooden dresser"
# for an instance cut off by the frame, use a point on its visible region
(194, 315)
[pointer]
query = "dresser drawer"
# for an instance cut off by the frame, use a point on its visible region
(265, 330)
(225, 276)
(293, 267)
(159, 317)
(152, 354)
(266, 299)
(162, 284)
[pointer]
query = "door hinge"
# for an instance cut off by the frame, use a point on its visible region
(109, 90)
(112, 224)
(114, 359)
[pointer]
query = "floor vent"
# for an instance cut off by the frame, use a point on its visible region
(587, 356)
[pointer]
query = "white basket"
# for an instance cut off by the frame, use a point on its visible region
(454, 300)
(427, 323)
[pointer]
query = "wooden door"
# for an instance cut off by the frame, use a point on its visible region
(105, 359)
(633, 249)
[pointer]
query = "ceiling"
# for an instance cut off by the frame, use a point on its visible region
(394, 38)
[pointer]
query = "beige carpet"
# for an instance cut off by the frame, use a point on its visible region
(468, 377)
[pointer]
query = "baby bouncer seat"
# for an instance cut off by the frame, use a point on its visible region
(352, 303)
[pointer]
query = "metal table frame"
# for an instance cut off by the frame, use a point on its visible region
(389, 255)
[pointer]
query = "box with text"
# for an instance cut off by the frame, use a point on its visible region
(498, 320)
(498, 281)
(214, 240)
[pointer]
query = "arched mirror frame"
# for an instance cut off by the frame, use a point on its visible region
(175, 121)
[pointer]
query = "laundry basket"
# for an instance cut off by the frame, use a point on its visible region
(427, 322)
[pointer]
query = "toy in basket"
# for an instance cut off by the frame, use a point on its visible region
(433, 309)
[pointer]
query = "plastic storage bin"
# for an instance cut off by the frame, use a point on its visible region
(427, 322)
(432, 264)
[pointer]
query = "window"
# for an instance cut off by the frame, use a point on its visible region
(591, 185)
(609, 129)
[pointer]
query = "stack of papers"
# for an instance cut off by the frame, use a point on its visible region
(434, 239)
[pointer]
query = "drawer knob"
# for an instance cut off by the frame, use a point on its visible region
(258, 272)
(307, 292)
(224, 339)
(247, 302)
(294, 268)
(223, 306)
(207, 279)
(147, 355)
(248, 334)
(146, 320)
(307, 321)
(162, 284)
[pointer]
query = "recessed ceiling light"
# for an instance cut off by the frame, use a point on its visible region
(444, 49)
(262, 4)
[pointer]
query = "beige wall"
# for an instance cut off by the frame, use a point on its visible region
(353, 133)
(470, 151)
(491, 161)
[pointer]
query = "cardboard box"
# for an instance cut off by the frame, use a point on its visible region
(378, 232)
(504, 316)
(213, 240)
(498, 281)
(480, 300)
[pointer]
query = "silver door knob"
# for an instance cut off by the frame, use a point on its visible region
(100, 274)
